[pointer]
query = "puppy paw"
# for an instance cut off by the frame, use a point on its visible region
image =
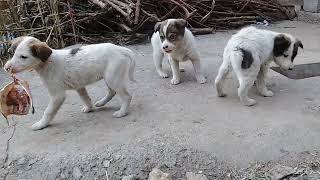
(268, 94)
(249, 102)
(119, 114)
(175, 81)
(221, 94)
(201, 79)
(86, 109)
(163, 74)
(39, 125)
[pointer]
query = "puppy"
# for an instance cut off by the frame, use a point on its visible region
(73, 69)
(249, 53)
(171, 37)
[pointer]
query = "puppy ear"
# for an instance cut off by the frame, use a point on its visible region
(157, 26)
(181, 23)
(299, 44)
(41, 50)
(281, 44)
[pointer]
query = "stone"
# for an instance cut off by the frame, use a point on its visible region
(76, 173)
(130, 177)
(3, 173)
(117, 156)
(194, 176)
(280, 171)
(106, 163)
(21, 161)
(32, 161)
(157, 174)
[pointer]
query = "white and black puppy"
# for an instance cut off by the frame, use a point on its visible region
(249, 53)
(171, 37)
(73, 69)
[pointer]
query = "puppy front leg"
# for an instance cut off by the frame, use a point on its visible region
(261, 82)
(175, 71)
(86, 99)
(197, 70)
(158, 58)
(51, 110)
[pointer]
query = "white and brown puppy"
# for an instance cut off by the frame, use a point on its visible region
(73, 69)
(171, 37)
(249, 53)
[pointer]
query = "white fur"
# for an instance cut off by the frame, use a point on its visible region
(63, 71)
(260, 43)
(182, 51)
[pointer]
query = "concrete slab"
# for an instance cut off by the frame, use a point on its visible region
(166, 120)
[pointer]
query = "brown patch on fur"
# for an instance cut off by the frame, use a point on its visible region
(176, 29)
(40, 50)
(15, 43)
(174, 32)
(281, 44)
(159, 27)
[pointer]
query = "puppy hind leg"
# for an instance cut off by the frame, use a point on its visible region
(221, 77)
(243, 89)
(125, 99)
(86, 99)
(158, 58)
(116, 80)
(106, 99)
(197, 70)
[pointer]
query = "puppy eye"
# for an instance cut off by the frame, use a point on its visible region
(285, 55)
(23, 57)
(172, 36)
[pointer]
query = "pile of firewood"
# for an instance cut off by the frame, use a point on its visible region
(66, 22)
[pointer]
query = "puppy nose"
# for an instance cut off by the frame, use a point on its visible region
(165, 47)
(7, 67)
(290, 69)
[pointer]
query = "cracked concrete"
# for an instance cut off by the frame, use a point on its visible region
(183, 128)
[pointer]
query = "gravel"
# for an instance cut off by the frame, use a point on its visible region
(308, 17)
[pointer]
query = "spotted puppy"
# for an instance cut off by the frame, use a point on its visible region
(171, 37)
(74, 69)
(249, 53)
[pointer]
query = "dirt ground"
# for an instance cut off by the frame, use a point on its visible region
(178, 128)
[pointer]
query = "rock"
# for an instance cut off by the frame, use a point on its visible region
(3, 173)
(117, 156)
(76, 173)
(130, 177)
(171, 162)
(314, 176)
(32, 161)
(21, 161)
(106, 163)
(157, 174)
(303, 177)
(280, 171)
(194, 176)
